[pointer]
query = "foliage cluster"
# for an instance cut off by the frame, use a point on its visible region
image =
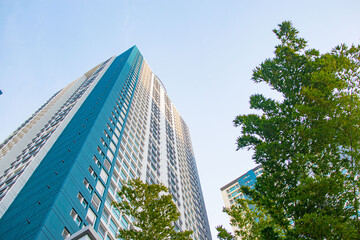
(152, 210)
(307, 142)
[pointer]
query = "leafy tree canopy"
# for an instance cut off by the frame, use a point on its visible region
(251, 223)
(307, 142)
(152, 209)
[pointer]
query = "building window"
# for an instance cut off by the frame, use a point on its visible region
(96, 161)
(103, 143)
(107, 165)
(131, 174)
(234, 188)
(127, 156)
(65, 233)
(122, 114)
(123, 175)
(122, 149)
(116, 212)
(112, 188)
(110, 129)
(92, 173)
(75, 217)
(102, 231)
(112, 146)
(112, 122)
(108, 200)
(103, 175)
(258, 172)
(117, 166)
(121, 121)
(117, 132)
(124, 164)
(124, 222)
(113, 227)
(133, 165)
(100, 188)
(105, 216)
(87, 185)
(106, 134)
(100, 151)
(95, 201)
(110, 155)
(91, 217)
(82, 200)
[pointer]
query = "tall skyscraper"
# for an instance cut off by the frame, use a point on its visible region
(62, 167)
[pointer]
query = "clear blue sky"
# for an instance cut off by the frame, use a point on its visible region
(203, 51)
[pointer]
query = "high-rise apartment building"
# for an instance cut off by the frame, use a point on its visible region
(61, 169)
(231, 191)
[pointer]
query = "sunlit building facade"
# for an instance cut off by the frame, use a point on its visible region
(61, 169)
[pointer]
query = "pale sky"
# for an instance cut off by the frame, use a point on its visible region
(203, 51)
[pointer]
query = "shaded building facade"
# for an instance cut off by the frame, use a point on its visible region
(231, 191)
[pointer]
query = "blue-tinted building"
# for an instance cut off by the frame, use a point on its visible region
(231, 191)
(60, 170)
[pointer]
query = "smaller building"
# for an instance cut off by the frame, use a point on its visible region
(231, 191)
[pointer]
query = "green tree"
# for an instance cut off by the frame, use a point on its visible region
(251, 223)
(307, 142)
(152, 209)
